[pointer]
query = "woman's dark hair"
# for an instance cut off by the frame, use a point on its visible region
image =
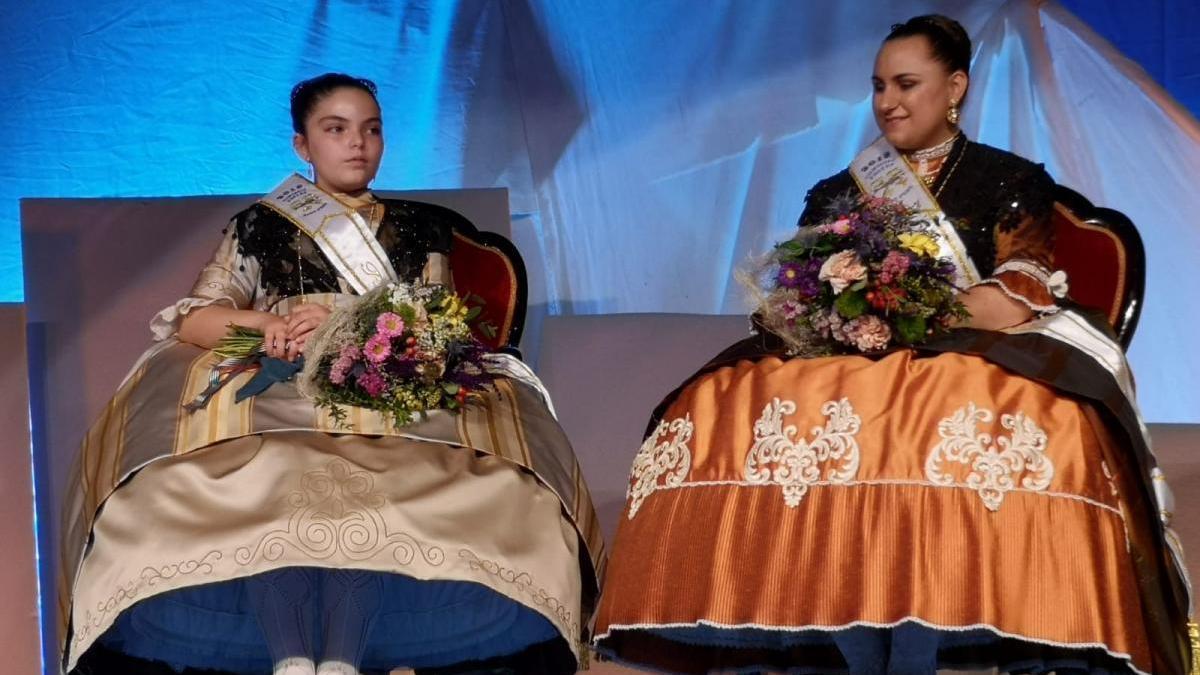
(306, 94)
(947, 39)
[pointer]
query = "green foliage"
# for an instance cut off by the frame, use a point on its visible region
(239, 343)
(851, 304)
(910, 329)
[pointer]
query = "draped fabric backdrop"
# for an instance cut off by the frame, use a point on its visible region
(649, 148)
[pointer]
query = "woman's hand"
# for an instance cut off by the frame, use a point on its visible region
(275, 337)
(991, 309)
(301, 322)
(205, 326)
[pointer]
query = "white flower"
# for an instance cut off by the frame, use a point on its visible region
(842, 269)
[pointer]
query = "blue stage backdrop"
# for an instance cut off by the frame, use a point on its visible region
(648, 148)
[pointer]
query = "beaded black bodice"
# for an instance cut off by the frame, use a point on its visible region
(980, 188)
(292, 264)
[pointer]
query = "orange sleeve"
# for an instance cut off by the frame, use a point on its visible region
(1024, 244)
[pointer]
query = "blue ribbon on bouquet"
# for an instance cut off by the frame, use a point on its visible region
(270, 371)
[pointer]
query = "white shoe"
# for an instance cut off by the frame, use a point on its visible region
(295, 666)
(336, 668)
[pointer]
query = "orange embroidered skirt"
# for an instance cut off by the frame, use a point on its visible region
(900, 514)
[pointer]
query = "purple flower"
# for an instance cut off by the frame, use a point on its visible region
(401, 367)
(790, 274)
(872, 244)
(810, 284)
(938, 268)
(372, 383)
(801, 277)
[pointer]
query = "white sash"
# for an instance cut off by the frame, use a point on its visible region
(342, 234)
(881, 171)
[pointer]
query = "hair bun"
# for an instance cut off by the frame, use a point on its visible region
(306, 93)
(947, 38)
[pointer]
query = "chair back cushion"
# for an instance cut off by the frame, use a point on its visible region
(1102, 254)
(1094, 260)
(481, 265)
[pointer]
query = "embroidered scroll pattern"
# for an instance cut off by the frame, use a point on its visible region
(778, 457)
(995, 467)
(524, 583)
(133, 590)
(661, 457)
(337, 512)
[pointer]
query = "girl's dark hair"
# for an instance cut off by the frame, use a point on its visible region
(306, 94)
(947, 39)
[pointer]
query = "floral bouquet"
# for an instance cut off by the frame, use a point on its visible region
(867, 278)
(401, 349)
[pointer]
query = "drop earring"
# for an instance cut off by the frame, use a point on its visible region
(952, 114)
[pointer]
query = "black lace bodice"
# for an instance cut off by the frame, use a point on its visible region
(983, 190)
(291, 263)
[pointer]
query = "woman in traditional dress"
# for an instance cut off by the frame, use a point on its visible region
(988, 501)
(261, 536)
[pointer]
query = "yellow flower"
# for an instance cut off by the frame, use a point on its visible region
(455, 309)
(921, 244)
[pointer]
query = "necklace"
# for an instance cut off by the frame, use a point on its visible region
(940, 150)
(928, 163)
(949, 173)
(927, 171)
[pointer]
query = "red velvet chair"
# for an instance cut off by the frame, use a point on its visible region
(486, 264)
(1105, 261)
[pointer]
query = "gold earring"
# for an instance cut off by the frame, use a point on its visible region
(952, 114)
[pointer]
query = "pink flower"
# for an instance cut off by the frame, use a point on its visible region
(868, 332)
(343, 363)
(828, 324)
(337, 372)
(894, 265)
(372, 383)
(842, 269)
(389, 324)
(841, 226)
(791, 309)
(377, 348)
